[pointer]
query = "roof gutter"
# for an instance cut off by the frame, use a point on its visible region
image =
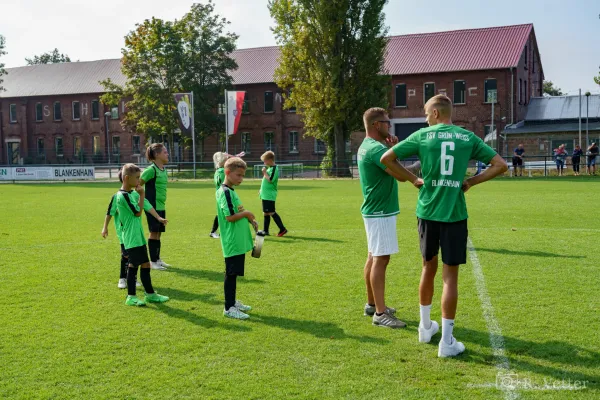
(512, 96)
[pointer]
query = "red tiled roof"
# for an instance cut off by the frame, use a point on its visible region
(255, 65)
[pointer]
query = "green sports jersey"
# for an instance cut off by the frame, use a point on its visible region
(112, 211)
(156, 186)
(445, 152)
(380, 190)
(268, 190)
(219, 177)
(236, 237)
(131, 225)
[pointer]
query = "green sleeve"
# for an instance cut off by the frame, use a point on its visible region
(408, 147)
(376, 155)
(148, 174)
(112, 207)
(225, 203)
(147, 205)
(481, 151)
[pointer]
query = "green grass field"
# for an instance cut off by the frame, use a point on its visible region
(65, 332)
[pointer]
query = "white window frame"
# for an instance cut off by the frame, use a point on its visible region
(317, 151)
(294, 135)
(75, 138)
(270, 146)
(95, 144)
(114, 112)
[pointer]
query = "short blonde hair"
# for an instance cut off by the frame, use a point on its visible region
(128, 170)
(268, 155)
(234, 163)
(373, 114)
(442, 103)
(219, 159)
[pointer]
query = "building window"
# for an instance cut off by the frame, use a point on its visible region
(135, 145)
(96, 144)
(114, 112)
(525, 57)
(269, 140)
(526, 89)
(520, 90)
(57, 111)
(39, 112)
(348, 146)
(490, 90)
(269, 102)
(76, 146)
(95, 109)
(293, 142)
(76, 111)
(486, 130)
(428, 91)
(221, 108)
(400, 95)
(116, 145)
(460, 89)
(291, 109)
(13, 113)
(246, 142)
(40, 147)
(319, 146)
(58, 146)
(246, 107)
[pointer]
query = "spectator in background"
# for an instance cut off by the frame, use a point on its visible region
(517, 159)
(560, 156)
(576, 159)
(592, 153)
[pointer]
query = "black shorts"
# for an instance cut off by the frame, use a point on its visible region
(234, 265)
(450, 236)
(268, 206)
(517, 161)
(138, 255)
(153, 224)
(123, 251)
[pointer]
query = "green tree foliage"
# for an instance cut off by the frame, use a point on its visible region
(2, 70)
(53, 57)
(551, 90)
(332, 55)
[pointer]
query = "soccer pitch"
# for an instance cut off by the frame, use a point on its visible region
(65, 331)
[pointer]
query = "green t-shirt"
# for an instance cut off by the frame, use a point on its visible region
(219, 177)
(156, 186)
(380, 190)
(236, 237)
(112, 211)
(268, 190)
(445, 152)
(131, 226)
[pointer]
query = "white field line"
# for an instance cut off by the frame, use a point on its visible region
(496, 338)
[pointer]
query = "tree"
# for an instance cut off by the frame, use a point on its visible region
(596, 79)
(2, 70)
(551, 90)
(53, 57)
(332, 55)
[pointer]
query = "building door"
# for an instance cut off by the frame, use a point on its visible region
(14, 152)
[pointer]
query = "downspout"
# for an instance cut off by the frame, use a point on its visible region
(512, 96)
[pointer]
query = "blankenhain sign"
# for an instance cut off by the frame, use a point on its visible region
(74, 173)
(26, 173)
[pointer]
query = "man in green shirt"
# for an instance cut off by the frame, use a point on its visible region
(268, 193)
(444, 151)
(236, 238)
(379, 210)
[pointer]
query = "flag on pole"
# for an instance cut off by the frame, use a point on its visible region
(182, 101)
(235, 102)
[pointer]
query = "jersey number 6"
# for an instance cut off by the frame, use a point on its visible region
(447, 161)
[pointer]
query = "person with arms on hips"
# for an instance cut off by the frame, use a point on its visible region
(130, 205)
(268, 193)
(517, 159)
(592, 153)
(219, 159)
(445, 151)
(576, 159)
(236, 238)
(155, 179)
(379, 210)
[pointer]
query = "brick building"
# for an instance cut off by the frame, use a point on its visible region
(49, 113)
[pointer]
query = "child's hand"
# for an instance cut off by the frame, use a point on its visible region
(264, 170)
(254, 225)
(104, 233)
(250, 216)
(139, 189)
(163, 221)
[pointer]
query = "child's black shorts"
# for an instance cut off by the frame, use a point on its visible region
(138, 255)
(153, 224)
(450, 236)
(123, 251)
(268, 206)
(234, 265)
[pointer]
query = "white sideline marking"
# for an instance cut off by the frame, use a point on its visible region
(496, 338)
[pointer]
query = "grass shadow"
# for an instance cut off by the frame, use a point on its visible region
(182, 295)
(531, 253)
(322, 330)
(309, 239)
(209, 275)
(198, 319)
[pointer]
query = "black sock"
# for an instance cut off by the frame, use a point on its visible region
(267, 222)
(146, 281)
(379, 314)
(371, 305)
(124, 263)
(277, 220)
(158, 252)
(131, 275)
(153, 246)
(230, 286)
(215, 225)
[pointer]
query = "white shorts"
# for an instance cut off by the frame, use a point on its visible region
(382, 239)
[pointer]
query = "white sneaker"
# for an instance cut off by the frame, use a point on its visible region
(214, 235)
(137, 283)
(164, 264)
(233, 312)
(450, 350)
(122, 283)
(156, 265)
(241, 306)
(426, 334)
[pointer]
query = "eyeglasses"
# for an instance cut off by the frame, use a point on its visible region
(388, 123)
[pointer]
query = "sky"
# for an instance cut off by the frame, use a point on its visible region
(567, 32)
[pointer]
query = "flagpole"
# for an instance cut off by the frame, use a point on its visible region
(226, 122)
(193, 135)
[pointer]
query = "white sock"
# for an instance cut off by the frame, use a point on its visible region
(447, 327)
(426, 316)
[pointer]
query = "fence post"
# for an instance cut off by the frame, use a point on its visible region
(109, 172)
(292, 170)
(545, 166)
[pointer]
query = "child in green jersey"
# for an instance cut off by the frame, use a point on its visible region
(219, 159)
(130, 205)
(154, 178)
(268, 193)
(236, 238)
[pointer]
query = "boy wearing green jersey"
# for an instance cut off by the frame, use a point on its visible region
(236, 238)
(130, 205)
(444, 151)
(268, 193)
(219, 159)
(155, 179)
